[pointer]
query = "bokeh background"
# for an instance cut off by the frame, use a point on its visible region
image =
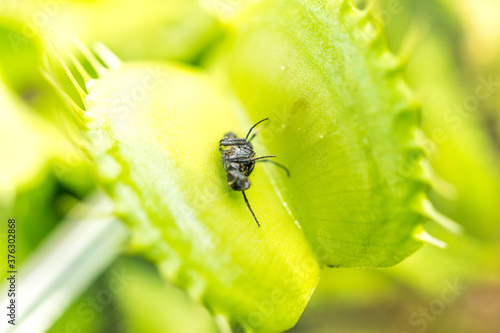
(452, 54)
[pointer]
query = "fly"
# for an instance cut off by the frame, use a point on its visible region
(238, 160)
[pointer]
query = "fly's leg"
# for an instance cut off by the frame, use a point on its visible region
(250, 208)
(247, 160)
(232, 142)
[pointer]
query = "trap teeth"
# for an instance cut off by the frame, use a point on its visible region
(425, 237)
(439, 218)
(222, 323)
(110, 59)
(89, 56)
(440, 185)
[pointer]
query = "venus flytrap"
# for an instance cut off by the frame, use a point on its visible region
(350, 131)
(159, 160)
(342, 120)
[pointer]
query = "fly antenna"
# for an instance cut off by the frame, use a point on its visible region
(250, 131)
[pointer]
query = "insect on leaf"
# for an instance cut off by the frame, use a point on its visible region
(153, 131)
(343, 121)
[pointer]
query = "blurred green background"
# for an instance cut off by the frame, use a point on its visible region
(452, 52)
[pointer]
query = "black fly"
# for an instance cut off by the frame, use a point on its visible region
(238, 161)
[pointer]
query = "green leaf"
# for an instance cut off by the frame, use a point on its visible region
(342, 120)
(153, 132)
(174, 310)
(457, 137)
(32, 143)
